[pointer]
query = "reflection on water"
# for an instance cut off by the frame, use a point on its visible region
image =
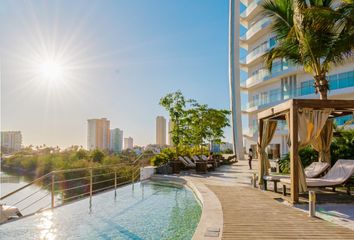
(28, 200)
(46, 226)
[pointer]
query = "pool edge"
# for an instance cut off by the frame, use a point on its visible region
(211, 221)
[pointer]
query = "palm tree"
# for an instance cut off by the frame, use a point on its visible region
(314, 33)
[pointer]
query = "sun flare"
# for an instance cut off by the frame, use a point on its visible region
(51, 70)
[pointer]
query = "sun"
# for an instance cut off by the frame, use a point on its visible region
(51, 70)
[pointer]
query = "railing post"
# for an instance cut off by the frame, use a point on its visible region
(312, 204)
(52, 190)
(90, 187)
(115, 183)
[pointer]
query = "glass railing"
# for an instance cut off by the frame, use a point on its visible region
(249, 9)
(259, 77)
(255, 28)
(342, 120)
(336, 81)
(257, 52)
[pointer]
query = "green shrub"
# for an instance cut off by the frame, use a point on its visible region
(343, 145)
(166, 155)
(307, 156)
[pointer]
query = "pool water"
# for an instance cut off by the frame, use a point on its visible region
(150, 210)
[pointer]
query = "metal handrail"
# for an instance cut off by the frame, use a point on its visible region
(27, 185)
(89, 176)
(88, 180)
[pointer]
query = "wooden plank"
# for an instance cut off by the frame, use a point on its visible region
(319, 103)
(294, 154)
(260, 135)
(252, 214)
(282, 107)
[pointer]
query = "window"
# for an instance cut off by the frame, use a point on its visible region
(264, 98)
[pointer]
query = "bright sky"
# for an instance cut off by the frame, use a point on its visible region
(64, 62)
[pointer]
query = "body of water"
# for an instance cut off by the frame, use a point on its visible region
(10, 182)
(148, 210)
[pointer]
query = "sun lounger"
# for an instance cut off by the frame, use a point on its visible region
(213, 163)
(338, 175)
(189, 161)
(314, 170)
(185, 163)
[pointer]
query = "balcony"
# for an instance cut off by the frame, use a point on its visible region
(256, 29)
(255, 54)
(253, 80)
(336, 82)
(250, 9)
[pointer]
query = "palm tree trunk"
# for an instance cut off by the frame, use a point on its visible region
(322, 86)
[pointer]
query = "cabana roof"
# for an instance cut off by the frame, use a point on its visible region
(340, 108)
(292, 108)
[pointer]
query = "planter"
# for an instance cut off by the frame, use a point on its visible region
(176, 166)
(201, 167)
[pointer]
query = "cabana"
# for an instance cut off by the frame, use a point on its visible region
(310, 122)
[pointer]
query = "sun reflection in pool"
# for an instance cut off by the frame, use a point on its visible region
(46, 226)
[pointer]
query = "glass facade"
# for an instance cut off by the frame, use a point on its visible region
(336, 81)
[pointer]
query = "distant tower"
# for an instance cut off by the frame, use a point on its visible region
(98, 134)
(11, 141)
(160, 131)
(116, 140)
(170, 128)
(128, 143)
(234, 76)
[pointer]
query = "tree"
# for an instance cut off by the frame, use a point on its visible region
(97, 155)
(314, 33)
(175, 103)
(206, 124)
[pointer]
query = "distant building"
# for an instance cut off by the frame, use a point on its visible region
(11, 141)
(160, 131)
(170, 127)
(98, 134)
(116, 143)
(128, 143)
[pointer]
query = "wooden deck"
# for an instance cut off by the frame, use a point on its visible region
(251, 214)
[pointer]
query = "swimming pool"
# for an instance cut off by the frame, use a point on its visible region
(150, 210)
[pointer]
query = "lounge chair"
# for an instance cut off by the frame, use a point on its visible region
(189, 161)
(339, 175)
(213, 162)
(185, 163)
(314, 170)
(195, 158)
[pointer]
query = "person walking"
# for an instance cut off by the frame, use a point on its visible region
(250, 156)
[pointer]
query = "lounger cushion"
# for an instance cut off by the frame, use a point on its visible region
(315, 169)
(337, 175)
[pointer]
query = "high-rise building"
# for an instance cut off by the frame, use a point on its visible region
(128, 143)
(98, 134)
(284, 81)
(116, 142)
(11, 141)
(170, 127)
(160, 131)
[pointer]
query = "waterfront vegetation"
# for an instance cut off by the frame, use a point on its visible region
(342, 147)
(35, 163)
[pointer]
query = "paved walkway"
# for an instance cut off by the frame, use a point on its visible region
(249, 213)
